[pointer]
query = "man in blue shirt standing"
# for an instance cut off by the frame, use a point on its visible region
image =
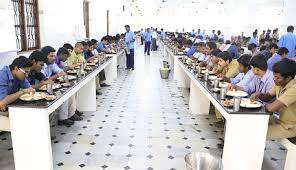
(162, 35)
(13, 84)
(148, 40)
(130, 44)
(289, 41)
(142, 34)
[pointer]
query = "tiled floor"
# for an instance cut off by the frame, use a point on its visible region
(142, 123)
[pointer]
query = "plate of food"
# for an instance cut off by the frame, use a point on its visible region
(90, 64)
(88, 68)
(236, 93)
(75, 72)
(54, 87)
(33, 96)
(66, 84)
(228, 103)
(247, 103)
(223, 84)
(70, 77)
(214, 78)
(210, 72)
(50, 97)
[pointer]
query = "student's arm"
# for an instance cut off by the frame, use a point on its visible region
(13, 97)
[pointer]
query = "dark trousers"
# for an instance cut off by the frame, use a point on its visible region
(142, 40)
(130, 59)
(147, 47)
(102, 76)
(153, 48)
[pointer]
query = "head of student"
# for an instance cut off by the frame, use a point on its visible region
(105, 40)
(78, 49)
(284, 71)
(49, 51)
(127, 28)
(214, 56)
(244, 63)
(224, 59)
(258, 64)
(63, 54)
(90, 45)
(283, 52)
(95, 42)
(210, 46)
(20, 67)
(85, 45)
(252, 47)
(273, 48)
(69, 47)
(38, 59)
(290, 28)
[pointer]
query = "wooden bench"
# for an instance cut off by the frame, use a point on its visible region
(290, 145)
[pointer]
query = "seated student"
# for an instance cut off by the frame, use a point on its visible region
(95, 46)
(61, 57)
(275, 56)
(285, 103)
(69, 47)
(200, 51)
(67, 111)
(246, 75)
(51, 69)
(213, 61)
(191, 51)
(263, 80)
(13, 84)
(76, 57)
(283, 52)
(252, 49)
(88, 55)
(229, 66)
(35, 77)
(102, 46)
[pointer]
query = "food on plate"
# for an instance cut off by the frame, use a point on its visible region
(247, 103)
(70, 77)
(223, 84)
(50, 97)
(33, 97)
(228, 102)
(236, 93)
(54, 86)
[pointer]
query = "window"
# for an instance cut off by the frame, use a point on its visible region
(26, 24)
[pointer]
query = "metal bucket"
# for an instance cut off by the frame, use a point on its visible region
(165, 64)
(202, 161)
(164, 73)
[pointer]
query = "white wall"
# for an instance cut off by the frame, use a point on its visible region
(61, 21)
(7, 33)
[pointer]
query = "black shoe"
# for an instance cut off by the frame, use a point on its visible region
(53, 138)
(75, 117)
(127, 68)
(133, 68)
(66, 122)
(105, 85)
(98, 93)
(78, 113)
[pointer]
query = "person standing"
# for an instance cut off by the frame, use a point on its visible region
(289, 41)
(147, 41)
(154, 38)
(162, 35)
(130, 44)
(142, 34)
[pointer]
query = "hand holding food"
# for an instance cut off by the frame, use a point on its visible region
(29, 90)
(254, 96)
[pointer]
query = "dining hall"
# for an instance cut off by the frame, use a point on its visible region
(147, 85)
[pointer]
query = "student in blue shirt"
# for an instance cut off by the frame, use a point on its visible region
(275, 56)
(67, 112)
(13, 79)
(142, 35)
(263, 80)
(130, 43)
(246, 75)
(102, 45)
(162, 35)
(289, 41)
(254, 39)
(51, 70)
(148, 40)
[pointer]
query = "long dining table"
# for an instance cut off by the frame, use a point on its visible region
(245, 130)
(29, 120)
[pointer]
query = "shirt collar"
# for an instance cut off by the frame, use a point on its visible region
(9, 73)
(266, 76)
